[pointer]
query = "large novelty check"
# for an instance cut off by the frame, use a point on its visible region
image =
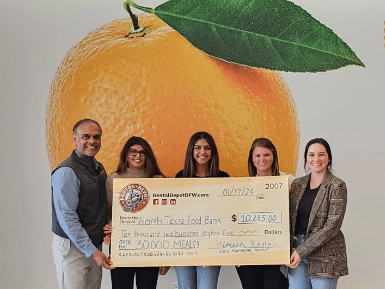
(200, 221)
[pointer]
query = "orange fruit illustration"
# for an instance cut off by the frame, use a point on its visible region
(158, 86)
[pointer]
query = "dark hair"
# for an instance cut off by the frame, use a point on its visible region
(267, 144)
(84, 120)
(189, 163)
(151, 164)
(327, 147)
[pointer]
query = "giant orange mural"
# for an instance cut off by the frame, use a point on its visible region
(140, 76)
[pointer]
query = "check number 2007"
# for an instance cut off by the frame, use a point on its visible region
(273, 186)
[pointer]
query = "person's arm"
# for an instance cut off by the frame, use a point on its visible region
(336, 213)
(295, 259)
(163, 270)
(65, 188)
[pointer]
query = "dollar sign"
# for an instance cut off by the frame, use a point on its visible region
(234, 218)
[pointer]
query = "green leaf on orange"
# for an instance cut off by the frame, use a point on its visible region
(273, 34)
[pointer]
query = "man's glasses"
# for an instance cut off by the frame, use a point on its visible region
(134, 152)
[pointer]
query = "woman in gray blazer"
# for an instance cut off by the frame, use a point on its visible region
(317, 209)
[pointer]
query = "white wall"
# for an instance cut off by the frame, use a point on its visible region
(345, 106)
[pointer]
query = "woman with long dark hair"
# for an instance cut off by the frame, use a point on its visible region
(262, 162)
(137, 160)
(201, 161)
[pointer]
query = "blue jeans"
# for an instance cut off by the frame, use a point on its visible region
(299, 277)
(197, 277)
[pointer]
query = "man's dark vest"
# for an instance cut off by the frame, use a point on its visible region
(92, 207)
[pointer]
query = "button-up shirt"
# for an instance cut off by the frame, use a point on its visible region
(66, 188)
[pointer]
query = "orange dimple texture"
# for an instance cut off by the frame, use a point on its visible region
(160, 87)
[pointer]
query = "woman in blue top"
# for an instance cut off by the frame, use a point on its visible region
(201, 161)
